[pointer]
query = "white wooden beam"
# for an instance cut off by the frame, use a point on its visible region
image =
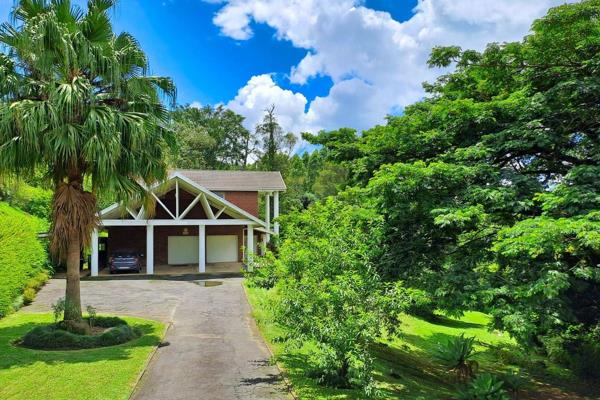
(150, 249)
(94, 261)
(163, 206)
(140, 213)
(276, 212)
(207, 209)
(201, 248)
(176, 222)
(218, 214)
(134, 215)
(192, 204)
(249, 247)
(268, 213)
(176, 198)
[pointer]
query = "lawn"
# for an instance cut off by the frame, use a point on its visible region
(105, 373)
(405, 367)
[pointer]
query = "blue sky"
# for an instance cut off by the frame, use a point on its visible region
(324, 64)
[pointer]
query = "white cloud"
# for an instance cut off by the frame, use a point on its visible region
(376, 64)
(260, 93)
(196, 104)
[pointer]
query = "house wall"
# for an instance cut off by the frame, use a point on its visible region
(245, 200)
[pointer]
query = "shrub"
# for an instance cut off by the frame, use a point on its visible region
(266, 271)
(456, 355)
(52, 337)
(22, 256)
(484, 387)
(33, 200)
(412, 301)
(330, 293)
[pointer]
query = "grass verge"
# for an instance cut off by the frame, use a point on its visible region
(405, 367)
(108, 373)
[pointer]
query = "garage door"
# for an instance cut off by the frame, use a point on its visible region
(183, 250)
(221, 248)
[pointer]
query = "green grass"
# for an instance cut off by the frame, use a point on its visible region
(405, 367)
(105, 373)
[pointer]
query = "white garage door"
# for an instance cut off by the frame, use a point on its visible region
(221, 248)
(183, 250)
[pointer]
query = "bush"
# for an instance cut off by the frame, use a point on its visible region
(484, 387)
(330, 293)
(266, 271)
(33, 200)
(456, 355)
(412, 301)
(22, 256)
(52, 337)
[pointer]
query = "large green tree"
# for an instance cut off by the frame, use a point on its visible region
(211, 138)
(489, 187)
(77, 103)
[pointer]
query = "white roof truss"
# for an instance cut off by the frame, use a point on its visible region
(205, 197)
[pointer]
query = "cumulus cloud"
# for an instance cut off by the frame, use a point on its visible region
(377, 64)
(260, 93)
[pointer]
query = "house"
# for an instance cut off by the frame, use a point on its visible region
(200, 218)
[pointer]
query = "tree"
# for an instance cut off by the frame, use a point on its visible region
(330, 292)
(488, 187)
(76, 102)
(212, 138)
(276, 146)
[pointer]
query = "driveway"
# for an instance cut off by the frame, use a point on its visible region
(212, 349)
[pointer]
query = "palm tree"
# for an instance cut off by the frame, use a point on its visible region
(76, 102)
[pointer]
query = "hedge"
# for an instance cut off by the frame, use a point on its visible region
(22, 258)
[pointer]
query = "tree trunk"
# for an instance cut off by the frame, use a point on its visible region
(72, 293)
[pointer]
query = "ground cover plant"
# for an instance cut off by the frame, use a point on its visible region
(23, 259)
(107, 373)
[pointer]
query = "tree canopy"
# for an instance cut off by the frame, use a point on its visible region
(76, 102)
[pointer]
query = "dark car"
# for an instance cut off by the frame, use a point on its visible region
(124, 261)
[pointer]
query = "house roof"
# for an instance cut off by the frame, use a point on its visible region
(242, 181)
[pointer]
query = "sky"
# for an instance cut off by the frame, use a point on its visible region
(324, 64)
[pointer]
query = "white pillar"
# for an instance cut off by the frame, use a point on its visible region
(201, 248)
(264, 245)
(268, 214)
(94, 261)
(150, 249)
(249, 246)
(276, 212)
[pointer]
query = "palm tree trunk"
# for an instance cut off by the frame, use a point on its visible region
(72, 293)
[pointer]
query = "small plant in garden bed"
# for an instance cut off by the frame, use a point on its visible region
(108, 331)
(94, 331)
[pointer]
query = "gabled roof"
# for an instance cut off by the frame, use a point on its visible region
(243, 181)
(187, 184)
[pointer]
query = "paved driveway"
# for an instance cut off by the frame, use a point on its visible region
(214, 350)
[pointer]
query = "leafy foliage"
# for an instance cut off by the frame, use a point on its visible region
(210, 138)
(22, 257)
(489, 187)
(78, 105)
(484, 387)
(330, 293)
(456, 355)
(53, 337)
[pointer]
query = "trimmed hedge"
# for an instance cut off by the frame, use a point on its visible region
(51, 337)
(22, 258)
